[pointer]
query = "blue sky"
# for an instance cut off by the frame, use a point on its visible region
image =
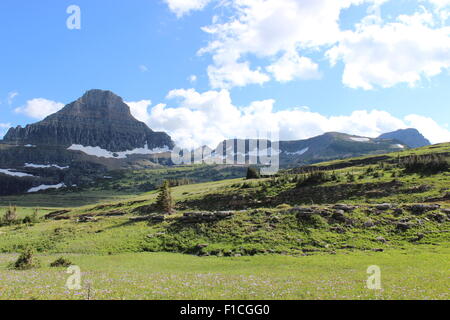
(360, 68)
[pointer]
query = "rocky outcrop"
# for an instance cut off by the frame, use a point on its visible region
(204, 217)
(98, 119)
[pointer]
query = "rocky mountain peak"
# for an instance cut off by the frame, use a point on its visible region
(410, 137)
(98, 119)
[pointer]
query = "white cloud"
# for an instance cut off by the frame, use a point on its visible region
(376, 54)
(385, 55)
(182, 7)
(39, 108)
(235, 74)
(291, 66)
(11, 96)
(193, 78)
(143, 68)
(429, 128)
(139, 109)
(268, 29)
(207, 118)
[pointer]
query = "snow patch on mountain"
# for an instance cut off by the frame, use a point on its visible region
(360, 139)
(46, 187)
(102, 153)
(43, 166)
(298, 153)
(10, 172)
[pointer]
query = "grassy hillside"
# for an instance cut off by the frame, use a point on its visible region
(283, 214)
(345, 215)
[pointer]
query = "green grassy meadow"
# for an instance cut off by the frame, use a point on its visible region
(414, 274)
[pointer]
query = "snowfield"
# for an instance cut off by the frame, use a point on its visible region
(9, 172)
(298, 153)
(46, 187)
(360, 139)
(102, 153)
(42, 166)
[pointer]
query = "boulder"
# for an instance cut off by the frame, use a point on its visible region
(339, 215)
(384, 206)
(403, 226)
(86, 219)
(369, 224)
(55, 214)
(438, 217)
(203, 216)
(338, 229)
(344, 207)
(422, 208)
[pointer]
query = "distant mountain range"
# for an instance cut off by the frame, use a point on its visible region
(329, 146)
(97, 133)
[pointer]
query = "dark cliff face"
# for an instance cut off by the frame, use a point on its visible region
(98, 119)
(410, 137)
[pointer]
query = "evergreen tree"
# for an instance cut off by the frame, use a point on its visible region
(252, 173)
(10, 215)
(164, 202)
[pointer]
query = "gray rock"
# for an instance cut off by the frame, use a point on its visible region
(384, 206)
(339, 215)
(369, 224)
(202, 216)
(86, 219)
(344, 207)
(422, 208)
(403, 226)
(338, 229)
(381, 239)
(438, 217)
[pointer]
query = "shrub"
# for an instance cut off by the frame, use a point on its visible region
(351, 177)
(253, 173)
(425, 164)
(313, 178)
(369, 170)
(33, 218)
(26, 260)
(61, 262)
(246, 185)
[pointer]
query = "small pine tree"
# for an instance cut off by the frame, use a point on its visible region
(10, 215)
(252, 173)
(164, 202)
